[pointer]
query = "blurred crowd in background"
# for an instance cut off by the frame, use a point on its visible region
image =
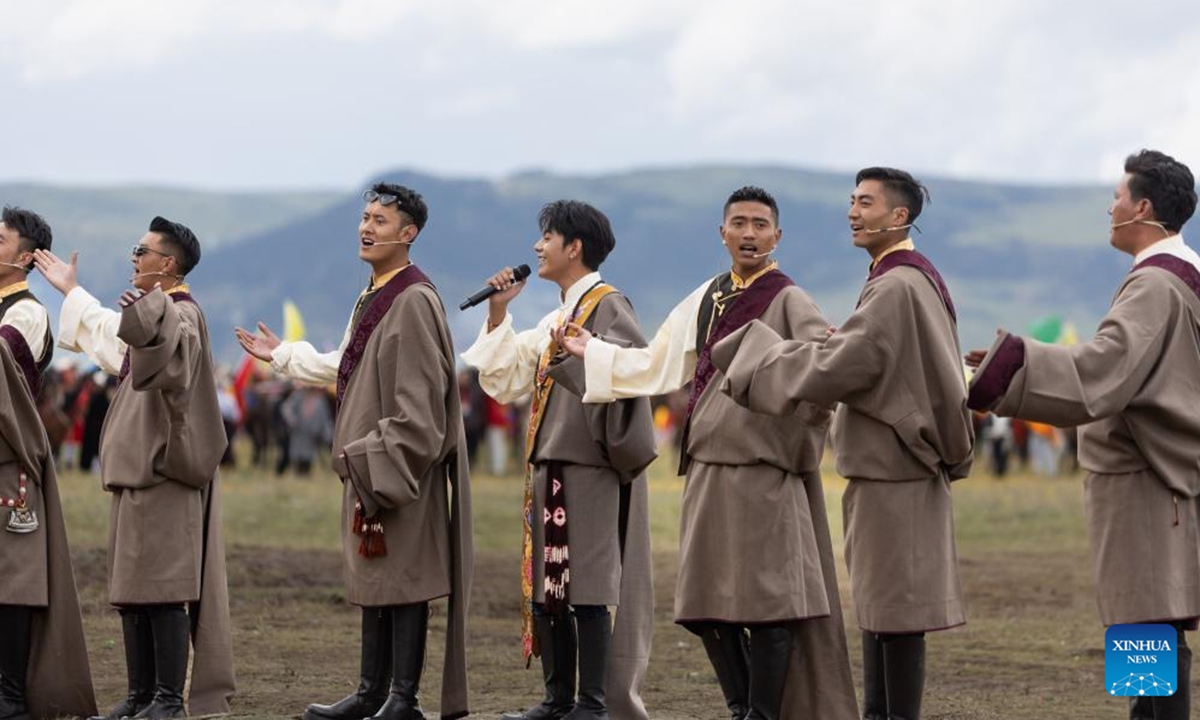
(287, 427)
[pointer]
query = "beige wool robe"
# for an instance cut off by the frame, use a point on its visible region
(159, 449)
(400, 428)
(1134, 390)
(754, 541)
(901, 433)
(604, 450)
(36, 567)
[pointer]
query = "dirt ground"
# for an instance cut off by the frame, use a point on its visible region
(1033, 646)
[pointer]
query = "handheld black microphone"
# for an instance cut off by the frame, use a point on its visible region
(519, 273)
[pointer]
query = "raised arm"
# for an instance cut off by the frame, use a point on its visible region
(1081, 383)
(164, 341)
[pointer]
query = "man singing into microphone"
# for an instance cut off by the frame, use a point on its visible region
(1132, 389)
(902, 433)
(587, 536)
(400, 451)
(162, 441)
(757, 580)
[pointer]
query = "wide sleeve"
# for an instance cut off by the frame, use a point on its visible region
(164, 343)
(507, 360)
(770, 375)
(388, 465)
(1079, 384)
(302, 362)
(31, 320)
(623, 429)
(21, 437)
(663, 366)
(86, 326)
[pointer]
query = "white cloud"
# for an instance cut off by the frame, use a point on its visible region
(1017, 90)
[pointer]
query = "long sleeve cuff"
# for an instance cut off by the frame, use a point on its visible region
(70, 319)
(996, 372)
(481, 352)
(281, 356)
(598, 359)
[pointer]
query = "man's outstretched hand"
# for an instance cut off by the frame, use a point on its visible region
(260, 346)
(64, 277)
(572, 338)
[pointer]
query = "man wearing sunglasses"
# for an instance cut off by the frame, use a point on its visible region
(400, 451)
(43, 660)
(161, 443)
(901, 432)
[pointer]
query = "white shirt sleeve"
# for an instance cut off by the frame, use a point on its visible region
(507, 360)
(30, 319)
(84, 325)
(300, 361)
(663, 366)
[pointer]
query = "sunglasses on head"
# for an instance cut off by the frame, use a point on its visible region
(383, 198)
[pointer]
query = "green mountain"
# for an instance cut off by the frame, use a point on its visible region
(1010, 254)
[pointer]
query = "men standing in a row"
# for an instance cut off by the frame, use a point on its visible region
(587, 535)
(43, 660)
(755, 555)
(159, 450)
(902, 433)
(400, 450)
(1133, 390)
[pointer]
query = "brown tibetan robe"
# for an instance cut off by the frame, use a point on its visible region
(902, 432)
(1134, 390)
(36, 566)
(604, 450)
(399, 425)
(159, 449)
(754, 539)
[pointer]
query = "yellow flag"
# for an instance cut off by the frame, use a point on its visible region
(293, 324)
(1069, 336)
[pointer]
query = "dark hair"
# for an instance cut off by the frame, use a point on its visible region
(409, 202)
(576, 220)
(181, 239)
(33, 232)
(1166, 183)
(751, 193)
(902, 189)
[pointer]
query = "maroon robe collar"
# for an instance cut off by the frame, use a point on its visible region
(177, 297)
(377, 307)
(753, 301)
(24, 357)
(1178, 267)
(915, 259)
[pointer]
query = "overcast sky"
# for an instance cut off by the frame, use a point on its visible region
(323, 93)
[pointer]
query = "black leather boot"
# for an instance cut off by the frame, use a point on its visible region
(595, 635)
(15, 623)
(409, 627)
(172, 639)
(730, 657)
(375, 672)
(139, 664)
(556, 638)
(770, 648)
(904, 672)
(1177, 706)
(875, 705)
(1140, 708)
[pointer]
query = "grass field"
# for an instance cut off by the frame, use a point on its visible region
(1032, 647)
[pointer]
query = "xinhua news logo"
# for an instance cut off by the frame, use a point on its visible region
(1140, 660)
